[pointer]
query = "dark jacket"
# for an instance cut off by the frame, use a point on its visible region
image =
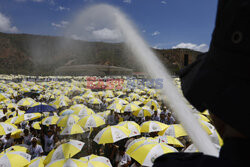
(234, 153)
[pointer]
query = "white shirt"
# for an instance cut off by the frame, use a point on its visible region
(35, 151)
(122, 159)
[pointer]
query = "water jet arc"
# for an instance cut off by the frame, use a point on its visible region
(156, 69)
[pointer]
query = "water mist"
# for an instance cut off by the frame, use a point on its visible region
(156, 69)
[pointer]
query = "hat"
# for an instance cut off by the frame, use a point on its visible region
(33, 138)
(219, 80)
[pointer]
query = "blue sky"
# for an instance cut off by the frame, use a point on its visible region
(162, 23)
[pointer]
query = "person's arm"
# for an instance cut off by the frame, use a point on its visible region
(128, 161)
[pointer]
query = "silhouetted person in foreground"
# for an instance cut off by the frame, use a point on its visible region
(220, 82)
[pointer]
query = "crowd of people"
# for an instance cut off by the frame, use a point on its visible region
(41, 141)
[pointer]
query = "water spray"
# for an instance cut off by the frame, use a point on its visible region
(156, 69)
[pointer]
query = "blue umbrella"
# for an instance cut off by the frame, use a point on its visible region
(41, 108)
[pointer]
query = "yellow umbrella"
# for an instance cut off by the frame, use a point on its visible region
(27, 117)
(36, 125)
(65, 150)
(136, 102)
(132, 126)
(6, 128)
(9, 113)
(15, 148)
(175, 130)
(67, 120)
(67, 163)
(12, 120)
(66, 112)
(59, 103)
(96, 160)
(26, 102)
(145, 154)
(14, 159)
(71, 130)
(138, 142)
(115, 106)
(121, 101)
(131, 107)
(77, 107)
(104, 114)
(152, 102)
(134, 96)
(63, 98)
(95, 101)
(152, 126)
(169, 140)
(12, 105)
(206, 113)
(91, 121)
(37, 162)
(37, 104)
(95, 163)
(143, 112)
(17, 134)
(84, 112)
(201, 117)
(3, 97)
(111, 134)
(51, 120)
(109, 93)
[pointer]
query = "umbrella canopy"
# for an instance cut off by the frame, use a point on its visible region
(59, 103)
(169, 140)
(132, 126)
(131, 107)
(115, 106)
(93, 159)
(27, 117)
(36, 125)
(6, 128)
(147, 153)
(95, 101)
(41, 108)
(95, 164)
(17, 134)
(71, 130)
(84, 112)
(152, 102)
(138, 142)
(37, 162)
(77, 107)
(91, 121)
(175, 130)
(111, 134)
(26, 102)
(143, 112)
(51, 120)
(152, 126)
(3, 97)
(12, 120)
(66, 150)
(14, 159)
(15, 148)
(67, 120)
(66, 112)
(67, 162)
